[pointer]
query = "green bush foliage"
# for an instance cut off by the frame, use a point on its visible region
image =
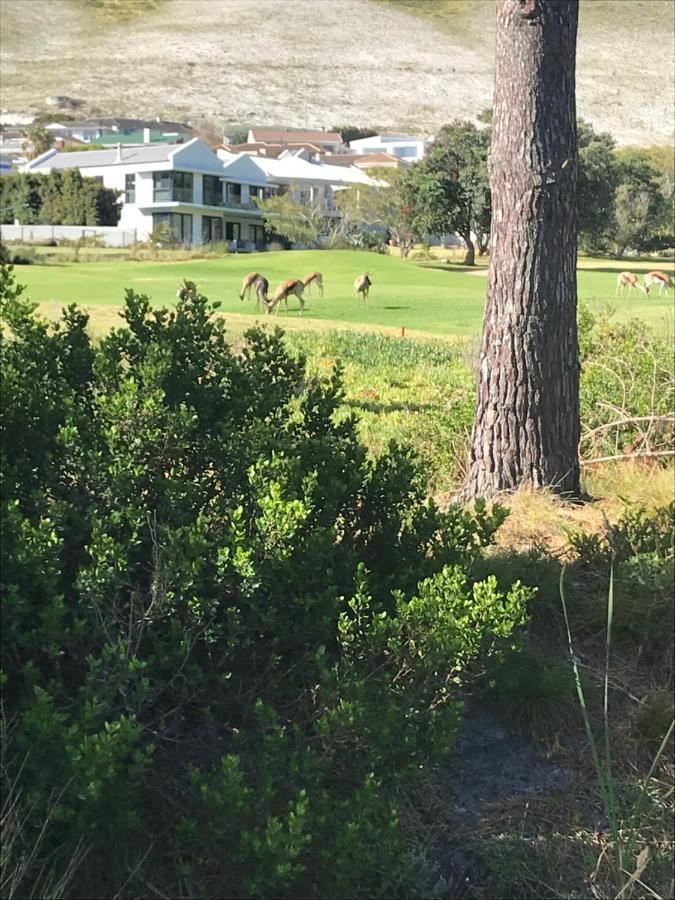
(641, 546)
(230, 639)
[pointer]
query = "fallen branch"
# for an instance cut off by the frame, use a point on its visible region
(624, 456)
(628, 421)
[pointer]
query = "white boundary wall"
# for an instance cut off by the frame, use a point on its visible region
(111, 236)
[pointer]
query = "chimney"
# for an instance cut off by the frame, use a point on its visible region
(146, 135)
(118, 158)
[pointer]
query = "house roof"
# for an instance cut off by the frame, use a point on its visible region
(192, 156)
(365, 160)
(115, 123)
(389, 139)
(293, 169)
(240, 167)
(271, 150)
(270, 135)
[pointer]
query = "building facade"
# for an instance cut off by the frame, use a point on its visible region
(186, 187)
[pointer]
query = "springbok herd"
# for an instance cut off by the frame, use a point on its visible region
(630, 281)
(297, 286)
(292, 287)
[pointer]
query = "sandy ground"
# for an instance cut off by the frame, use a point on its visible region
(318, 63)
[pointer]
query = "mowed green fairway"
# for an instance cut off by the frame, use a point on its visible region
(432, 298)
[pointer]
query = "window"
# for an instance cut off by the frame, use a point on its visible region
(213, 191)
(172, 186)
(179, 223)
(405, 151)
(130, 188)
(212, 229)
(182, 187)
(234, 195)
(162, 186)
(232, 231)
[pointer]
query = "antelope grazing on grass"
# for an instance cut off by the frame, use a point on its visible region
(262, 286)
(247, 284)
(284, 291)
(627, 279)
(313, 278)
(362, 286)
(663, 279)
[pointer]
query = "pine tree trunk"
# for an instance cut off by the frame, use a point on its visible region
(526, 430)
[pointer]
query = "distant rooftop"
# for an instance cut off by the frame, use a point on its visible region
(274, 136)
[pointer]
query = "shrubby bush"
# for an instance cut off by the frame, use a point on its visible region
(230, 639)
(627, 387)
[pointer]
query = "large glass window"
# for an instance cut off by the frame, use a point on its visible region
(182, 187)
(130, 188)
(179, 223)
(234, 195)
(212, 229)
(169, 186)
(232, 231)
(213, 191)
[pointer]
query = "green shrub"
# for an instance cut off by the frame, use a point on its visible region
(230, 639)
(641, 546)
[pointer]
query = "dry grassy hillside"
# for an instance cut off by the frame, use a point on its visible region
(404, 64)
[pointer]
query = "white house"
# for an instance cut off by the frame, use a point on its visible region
(311, 182)
(201, 197)
(411, 149)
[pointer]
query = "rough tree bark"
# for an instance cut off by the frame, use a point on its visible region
(526, 429)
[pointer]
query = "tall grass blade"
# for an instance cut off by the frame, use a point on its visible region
(599, 772)
(612, 810)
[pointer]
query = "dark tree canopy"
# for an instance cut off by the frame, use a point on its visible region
(449, 189)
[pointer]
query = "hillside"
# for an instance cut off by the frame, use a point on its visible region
(401, 64)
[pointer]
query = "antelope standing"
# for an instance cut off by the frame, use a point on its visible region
(663, 279)
(362, 286)
(313, 278)
(284, 291)
(261, 288)
(627, 279)
(247, 284)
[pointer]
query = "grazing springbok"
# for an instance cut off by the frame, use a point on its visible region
(247, 284)
(262, 286)
(663, 279)
(362, 286)
(284, 291)
(313, 278)
(627, 279)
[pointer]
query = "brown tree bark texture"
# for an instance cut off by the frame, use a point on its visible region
(526, 430)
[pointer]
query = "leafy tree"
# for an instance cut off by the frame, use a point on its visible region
(643, 211)
(597, 181)
(37, 140)
(449, 189)
(302, 223)
(385, 203)
(57, 198)
(526, 429)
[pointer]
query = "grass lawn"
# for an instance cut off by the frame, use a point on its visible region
(426, 298)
